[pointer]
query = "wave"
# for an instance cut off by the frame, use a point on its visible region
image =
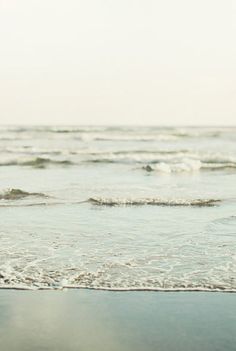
(153, 153)
(185, 166)
(153, 165)
(131, 138)
(37, 162)
(153, 201)
(63, 129)
(42, 162)
(163, 160)
(30, 150)
(188, 166)
(110, 202)
(134, 156)
(218, 166)
(166, 160)
(17, 194)
(118, 133)
(42, 278)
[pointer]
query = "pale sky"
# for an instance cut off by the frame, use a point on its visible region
(157, 62)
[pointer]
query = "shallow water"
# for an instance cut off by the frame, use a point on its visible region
(105, 321)
(118, 208)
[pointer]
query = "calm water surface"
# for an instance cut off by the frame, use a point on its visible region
(127, 321)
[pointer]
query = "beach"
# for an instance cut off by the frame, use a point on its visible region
(117, 175)
(88, 320)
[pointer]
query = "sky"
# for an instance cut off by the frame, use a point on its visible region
(156, 62)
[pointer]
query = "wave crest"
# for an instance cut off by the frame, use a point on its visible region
(188, 166)
(152, 201)
(17, 194)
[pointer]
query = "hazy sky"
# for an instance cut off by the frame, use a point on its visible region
(118, 61)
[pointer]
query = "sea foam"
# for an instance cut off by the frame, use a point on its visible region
(152, 201)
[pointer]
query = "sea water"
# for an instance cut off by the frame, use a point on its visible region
(122, 208)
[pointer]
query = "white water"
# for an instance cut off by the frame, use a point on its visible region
(118, 208)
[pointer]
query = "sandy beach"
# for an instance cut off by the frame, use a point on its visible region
(88, 320)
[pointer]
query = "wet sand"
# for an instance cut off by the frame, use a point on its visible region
(86, 320)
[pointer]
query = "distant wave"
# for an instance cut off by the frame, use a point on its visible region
(132, 138)
(62, 129)
(218, 166)
(40, 162)
(28, 150)
(188, 166)
(133, 156)
(116, 133)
(37, 162)
(152, 201)
(17, 194)
(166, 160)
(148, 162)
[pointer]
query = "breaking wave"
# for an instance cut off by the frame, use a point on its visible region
(185, 166)
(42, 278)
(188, 166)
(160, 160)
(152, 201)
(17, 194)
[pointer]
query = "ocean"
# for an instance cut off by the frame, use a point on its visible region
(118, 208)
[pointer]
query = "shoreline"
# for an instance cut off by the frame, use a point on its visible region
(121, 290)
(226, 292)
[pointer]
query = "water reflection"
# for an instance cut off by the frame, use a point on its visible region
(102, 321)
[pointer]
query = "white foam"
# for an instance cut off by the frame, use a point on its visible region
(152, 201)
